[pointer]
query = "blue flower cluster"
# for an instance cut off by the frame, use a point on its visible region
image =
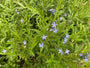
(43, 38)
(53, 27)
(86, 57)
(61, 51)
(17, 11)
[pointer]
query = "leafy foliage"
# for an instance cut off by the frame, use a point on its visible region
(66, 26)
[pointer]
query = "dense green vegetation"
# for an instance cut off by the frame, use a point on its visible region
(44, 33)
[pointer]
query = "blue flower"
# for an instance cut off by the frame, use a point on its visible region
(81, 54)
(65, 15)
(40, 45)
(15, 10)
(60, 18)
(86, 59)
(55, 30)
(88, 55)
(47, 29)
(43, 37)
(60, 51)
(21, 20)
(4, 51)
(24, 42)
(51, 29)
(54, 25)
(18, 12)
(67, 51)
(65, 40)
(67, 35)
(52, 11)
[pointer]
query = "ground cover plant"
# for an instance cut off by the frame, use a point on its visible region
(45, 33)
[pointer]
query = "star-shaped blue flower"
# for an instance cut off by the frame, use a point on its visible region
(55, 30)
(52, 11)
(65, 40)
(81, 54)
(86, 59)
(40, 45)
(43, 37)
(67, 51)
(4, 51)
(60, 51)
(24, 42)
(54, 25)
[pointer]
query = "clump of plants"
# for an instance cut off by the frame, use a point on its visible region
(44, 33)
